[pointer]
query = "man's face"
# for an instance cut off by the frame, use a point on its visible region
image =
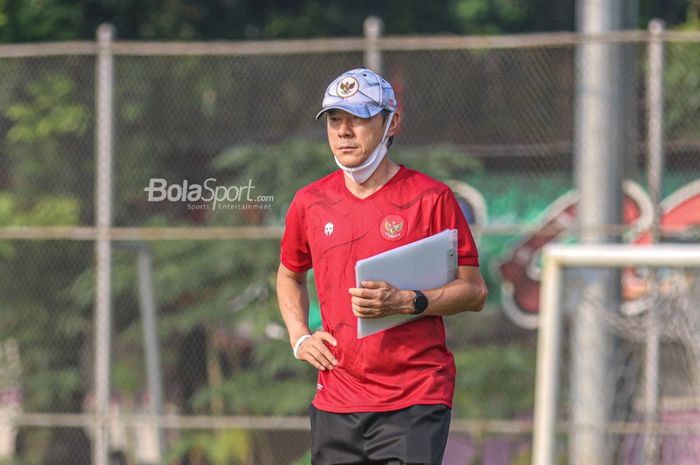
(352, 139)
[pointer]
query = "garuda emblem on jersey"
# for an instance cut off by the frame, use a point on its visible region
(393, 227)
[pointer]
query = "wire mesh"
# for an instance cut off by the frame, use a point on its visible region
(496, 122)
(47, 109)
(661, 303)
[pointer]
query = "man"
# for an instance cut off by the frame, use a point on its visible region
(385, 398)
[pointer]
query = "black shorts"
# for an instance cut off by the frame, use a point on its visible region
(414, 435)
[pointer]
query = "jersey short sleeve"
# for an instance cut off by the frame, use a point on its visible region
(295, 253)
(448, 215)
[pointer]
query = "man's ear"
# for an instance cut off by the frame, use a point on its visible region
(394, 124)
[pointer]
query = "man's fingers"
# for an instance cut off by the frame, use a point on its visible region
(321, 358)
(361, 292)
(366, 303)
(374, 284)
(328, 337)
(315, 351)
(363, 312)
(317, 360)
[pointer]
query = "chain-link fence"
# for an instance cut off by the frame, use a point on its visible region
(209, 142)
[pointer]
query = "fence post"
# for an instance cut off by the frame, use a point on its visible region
(103, 247)
(599, 127)
(151, 344)
(655, 111)
(373, 27)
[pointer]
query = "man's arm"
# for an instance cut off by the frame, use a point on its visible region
(293, 300)
(378, 298)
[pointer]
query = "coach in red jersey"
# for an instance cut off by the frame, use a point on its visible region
(385, 398)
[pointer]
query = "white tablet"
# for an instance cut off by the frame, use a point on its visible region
(424, 264)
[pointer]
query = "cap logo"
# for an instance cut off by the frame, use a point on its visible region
(348, 87)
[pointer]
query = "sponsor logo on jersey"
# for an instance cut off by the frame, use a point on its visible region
(393, 228)
(328, 229)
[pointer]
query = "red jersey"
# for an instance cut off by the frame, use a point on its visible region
(328, 228)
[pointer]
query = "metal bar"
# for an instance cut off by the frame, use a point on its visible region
(103, 246)
(394, 44)
(48, 49)
(243, 48)
(42, 233)
(272, 232)
(612, 255)
(599, 155)
(139, 234)
(651, 378)
(547, 375)
(373, 27)
(353, 44)
(655, 122)
(150, 339)
(557, 149)
(500, 427)
(624, 428)
(632, 76)
(126, 234)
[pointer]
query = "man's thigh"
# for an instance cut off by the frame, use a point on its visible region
(336, 438)
(415, 435)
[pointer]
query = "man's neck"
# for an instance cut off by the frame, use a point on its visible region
(385, 171)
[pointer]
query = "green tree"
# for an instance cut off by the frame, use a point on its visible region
(682, 81)
(37, 311)
(29, 21)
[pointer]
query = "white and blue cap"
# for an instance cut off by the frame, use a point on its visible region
(360, 92)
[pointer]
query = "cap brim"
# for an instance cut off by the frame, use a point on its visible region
(361, 111)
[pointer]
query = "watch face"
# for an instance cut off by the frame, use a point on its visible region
(420, 302)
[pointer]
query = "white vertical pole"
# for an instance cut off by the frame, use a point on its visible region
(373, 27)
(599, 156)
(631, 75)
(655, 121)
(655, 110)
(103, 251)
(547, 377)
(150, 342)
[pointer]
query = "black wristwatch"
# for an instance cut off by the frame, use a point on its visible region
(420, 303)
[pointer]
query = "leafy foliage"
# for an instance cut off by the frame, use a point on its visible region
(31, 21)
(52, 118)
(48, 288)
(223, 448)
(682, 82)
(211, 19)
(51, 342)
(477, 368)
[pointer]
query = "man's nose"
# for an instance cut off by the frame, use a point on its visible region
(345, 128)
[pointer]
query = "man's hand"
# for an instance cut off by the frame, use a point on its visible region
(376, 299)
(315, 351)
